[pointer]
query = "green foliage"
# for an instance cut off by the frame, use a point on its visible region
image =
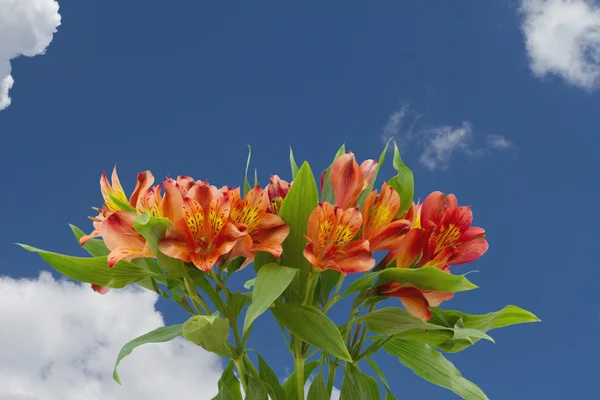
(209, 332)
(403, 182)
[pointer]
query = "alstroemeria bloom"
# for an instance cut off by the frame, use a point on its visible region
(277, 189)
(379, 226)
(114, 189)
(348, 179)
(329, 237)
(167, 206)
(182, 183)
(121, 239)
(453, 239)
(264, 231)
(204, 233)
(417, 302)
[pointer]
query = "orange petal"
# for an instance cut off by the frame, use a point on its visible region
(84, 239)
(114, 190)
(172, 203)
(436, 298)
(369, 169)
(176, 249)
(356, 257)
(218, 215)
(347, 180)
(380, 210)
(435, 205)
(204, 262)
(348, 225)
(309, 254)
(100, 289)
(256, 204)
(124, 253)
(237, 204)
(414, 302)
(321, 227)
(470, 250)
(410, 248)
(203, 193)
(228, 238)
(193, 214)
(117, 231)
(389, 237)
(144, 181)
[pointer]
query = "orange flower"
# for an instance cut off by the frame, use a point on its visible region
(144, 181)
(348, 179)
(329, 240)
(379, 226)
(204, 233)
(277, 190)
(264, 231)
(167, 206)
(182, 183)
(121, 239)
(453, 239)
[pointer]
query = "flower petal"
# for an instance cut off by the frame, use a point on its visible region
(124, 253)
(390, 236)
(172, 203)
(176, 249)
(218, 215)
(348, 224)
(256, 203)
(347, 180)
(356, 257)
(369, 169)
(435, 205)
(144, 181)
(100, 289)
(117, 231)
(410, 247)
(470, 250)
(205, 261)
(436, 298)
(414, 302)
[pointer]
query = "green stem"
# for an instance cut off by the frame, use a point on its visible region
(334, 299)
(331, 377)
(361, 342)
(196, 298)
(250, 366)
(299, 370)
(239, 364)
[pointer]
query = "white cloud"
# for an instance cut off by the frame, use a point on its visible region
(59, 341)
(26, 28)
(498, 142)
(393, 125)
(563, 39)
(440, 143)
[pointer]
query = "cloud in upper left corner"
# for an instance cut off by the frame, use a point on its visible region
(26, 29)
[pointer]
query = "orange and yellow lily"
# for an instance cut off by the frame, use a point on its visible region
(204, 233)
(121, 239)
(330, 244)
(348, 179)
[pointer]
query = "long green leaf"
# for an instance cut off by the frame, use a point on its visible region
(257, 390)
(229, 386)
(312, 326)
(318, 390)
(428, 278)
(403, 182)
(381, 377)
(293, 164)
(300, 201)
(162, 334)
(271, 281)
(266, 373)
(95, 247)
(93, 270)
(394, 320)
(431, 365)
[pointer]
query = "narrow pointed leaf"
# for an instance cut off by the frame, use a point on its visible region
(162, 334)
(403, 182)
(431, 365)
(257, 390)
(94, 269)
(381, 377)
(266, 373)
(293, 164)
(318, 389)
(312, 326)
(95, 247)
(229, 386)
(271, 281)
(428, 278)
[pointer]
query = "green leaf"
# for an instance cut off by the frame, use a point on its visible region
(246, 183)
(351, 387)
(229, 386)
(162, 334)
(368, 190)
(271, 281)
(290, 384)
(256, 389)
(428, 278)
(403, 182)
(93, 270)
(370, 387)
(381, 377)
(233, 265)
(209, 332)
(123, 205)
(255, 177)
(293, 164)
(262, 258)
(395, 320)
(328, 280)
(95, 247)
(249, 283)
(312, 326)
(153, 229)
(265, 372)
(240, 300)
(431, 365)
(318, 390)
(361, 284)
(327, 191)
(300, 201)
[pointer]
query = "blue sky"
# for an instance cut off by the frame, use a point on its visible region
(496, 103)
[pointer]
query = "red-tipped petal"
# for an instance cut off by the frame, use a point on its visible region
(100, 289)
(414, 302)
(205, 262)
(470, 251)
(347, 180)
(144, 181)
(435, 205)
(176, 249)
(390, 236)
(117, 231)
(356, 257)
(124, 253)
(369, 169)
(410, 247)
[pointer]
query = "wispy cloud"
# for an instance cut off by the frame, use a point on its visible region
(26, 28)
(437, 144)
(562, 38)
